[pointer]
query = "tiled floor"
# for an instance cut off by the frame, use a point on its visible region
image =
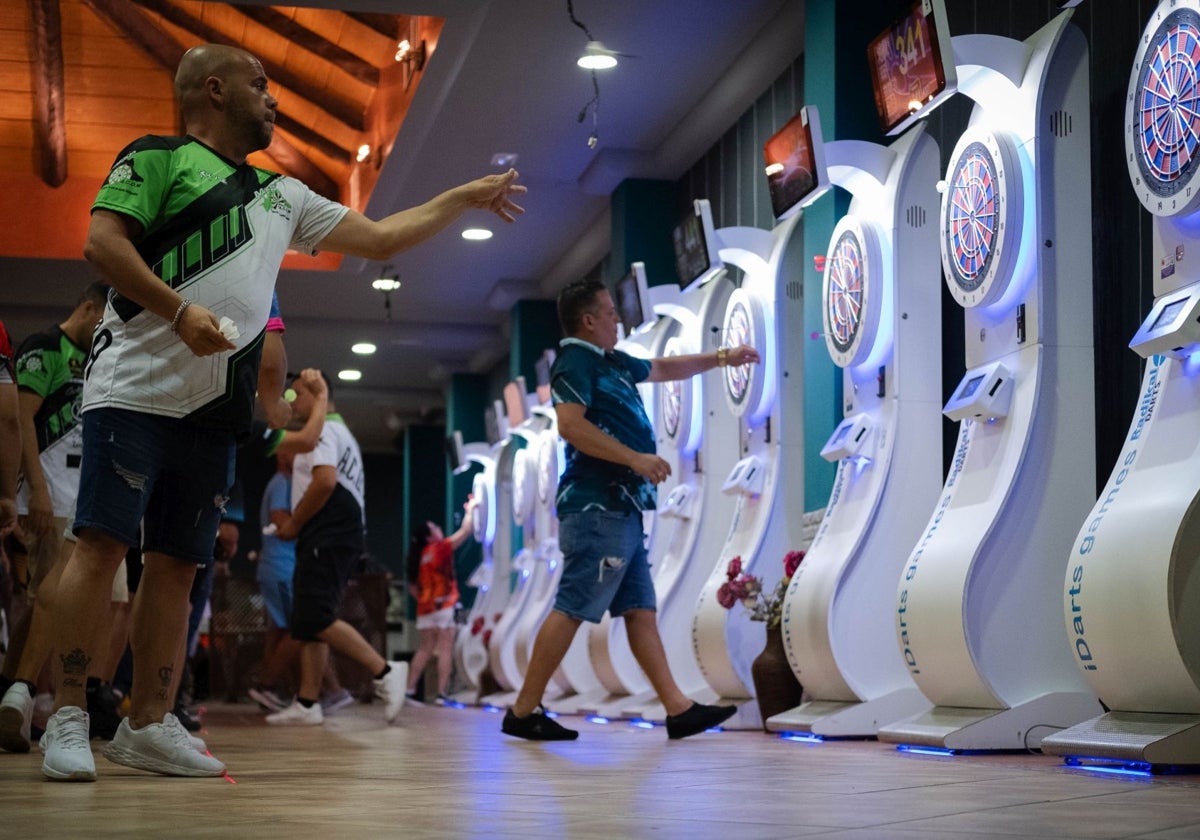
(450, 773)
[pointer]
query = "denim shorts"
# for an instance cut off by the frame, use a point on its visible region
(604, 565)
(165, 472)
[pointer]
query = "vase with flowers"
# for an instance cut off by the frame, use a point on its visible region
(775, 685)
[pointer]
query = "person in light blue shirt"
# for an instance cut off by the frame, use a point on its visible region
(609, 480)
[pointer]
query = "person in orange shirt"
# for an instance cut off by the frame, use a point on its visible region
(431, 583)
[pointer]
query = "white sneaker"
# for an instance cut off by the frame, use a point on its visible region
(391, 690)
(297, 715)
(267, 698)
(164, 748)
(336, 702)
(68, 756)
(16, 711)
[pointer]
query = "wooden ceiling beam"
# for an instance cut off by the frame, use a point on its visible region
(390, 26)
(345, 112)
(49, 95)
(315, 43)
(307, 135)
(167, 52)
(295, 163)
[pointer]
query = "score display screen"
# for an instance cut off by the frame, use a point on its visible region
(1169, 313)
(791, 165)
(906, 66)
(629, 303)
(691, 250)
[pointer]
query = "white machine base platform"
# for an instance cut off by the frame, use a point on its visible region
(573, 704)
(608, 706)
(1020, 728)
(1131, 736)
(834, 719)
(501, 700)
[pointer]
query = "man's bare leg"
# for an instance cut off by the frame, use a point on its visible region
(647, 648)
(444, 651)
(160, 614)
(81, 608)
(347, 641)
(549, 648)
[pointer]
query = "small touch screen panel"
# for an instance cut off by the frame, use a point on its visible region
(907, 70)
(1169, 313)
(971, 387)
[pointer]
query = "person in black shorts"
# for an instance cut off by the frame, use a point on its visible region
(190, 237)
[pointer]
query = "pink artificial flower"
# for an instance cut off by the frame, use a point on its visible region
(734, 569)
(791, 562)
(740, 587)
(725, 596)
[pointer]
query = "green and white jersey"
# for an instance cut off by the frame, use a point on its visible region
(216, 232)
(50, 365)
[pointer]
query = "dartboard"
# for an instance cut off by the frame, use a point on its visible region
(739, 329)
(481, 492)
(973, 217)
(852, 291)
(844, 299)
(1163, 111)
(749, 389)
(981, 205)
(672, 407)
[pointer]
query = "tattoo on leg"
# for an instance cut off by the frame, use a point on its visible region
(75, 667)
(164, 678)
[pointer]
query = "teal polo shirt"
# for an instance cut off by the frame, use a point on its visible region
(605, 383)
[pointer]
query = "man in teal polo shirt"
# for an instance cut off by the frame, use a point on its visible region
(609, 481)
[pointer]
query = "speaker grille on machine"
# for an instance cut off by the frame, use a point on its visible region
(794, 290)
(1060, 123)
(915, 216)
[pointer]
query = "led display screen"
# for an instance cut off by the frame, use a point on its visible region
(791, 165)
(906, 65)
(629, 303)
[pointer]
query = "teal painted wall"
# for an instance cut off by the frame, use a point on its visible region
(466, 400)
(643, 216)
(534, 330)
(424, 470)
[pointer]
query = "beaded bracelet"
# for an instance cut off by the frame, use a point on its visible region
(183, 305)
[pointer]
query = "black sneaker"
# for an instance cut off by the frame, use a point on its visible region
(103, 717)
(697, 719)
(184, 715)
(536, 726)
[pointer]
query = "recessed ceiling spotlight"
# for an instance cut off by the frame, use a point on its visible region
(477, 234)
(349, 375)
(386, 284)
(363, 348)
(504, 160)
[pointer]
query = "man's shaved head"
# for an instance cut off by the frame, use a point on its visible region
(199, 63)
(224, 99)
